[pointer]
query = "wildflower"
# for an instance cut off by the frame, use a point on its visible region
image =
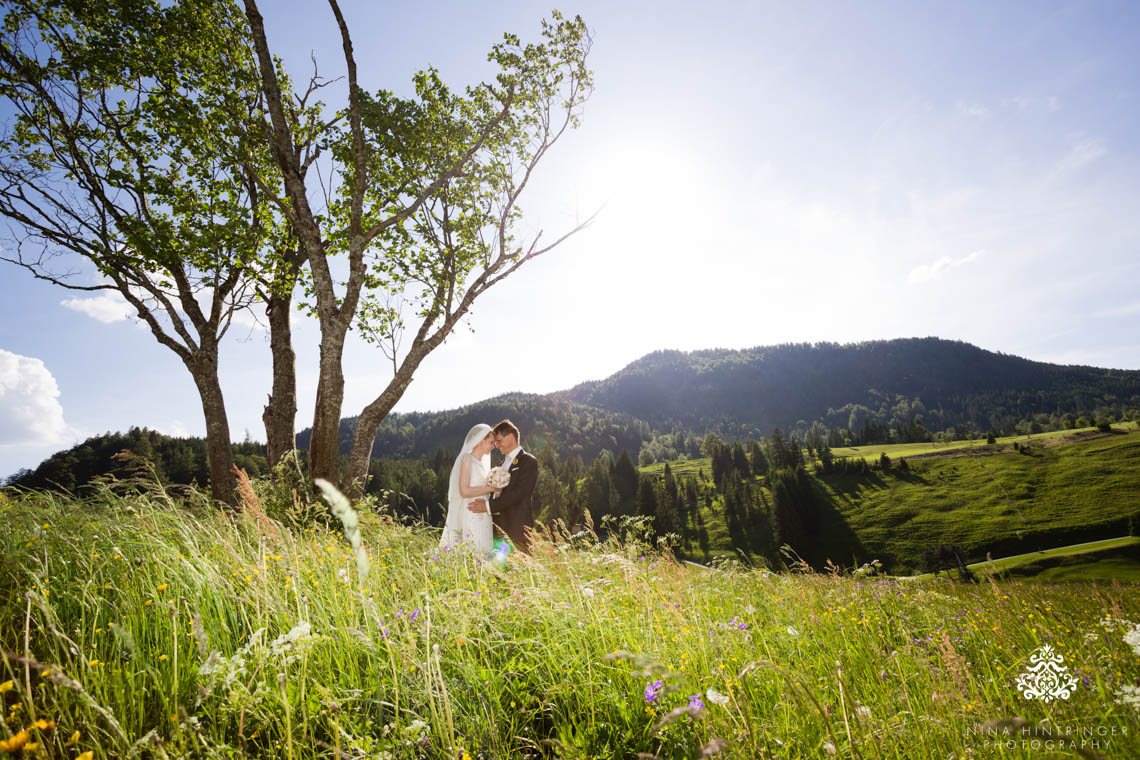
(16, 743)
(1128, 695)
(830, 749)
(44, 725)
(88, 755)
(716, 697)
(7, 686)
(73, 740)
(414, 615)
(653, 690)
(587, 592)
(1132, 639)
(695, 702)
(792, 631)
(163, 586)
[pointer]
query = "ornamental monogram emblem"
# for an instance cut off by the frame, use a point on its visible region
(1047, 678)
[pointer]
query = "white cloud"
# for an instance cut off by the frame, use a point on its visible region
(973, 110)
(935, 270)
(176, 429)
(1079, 156)
(107, 307)
(30, 412)
(110, 306)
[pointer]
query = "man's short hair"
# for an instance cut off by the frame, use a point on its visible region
(505, 427)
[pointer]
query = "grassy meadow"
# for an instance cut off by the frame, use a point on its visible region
(143, 625)
(872, 452)
(997, 500)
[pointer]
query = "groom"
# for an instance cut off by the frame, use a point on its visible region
(511, 509)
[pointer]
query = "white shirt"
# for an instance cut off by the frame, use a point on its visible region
(510, 457)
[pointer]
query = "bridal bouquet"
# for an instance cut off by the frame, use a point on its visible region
(498, 477)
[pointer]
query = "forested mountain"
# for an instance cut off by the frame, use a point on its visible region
(947, 383)
(544, 420)
(174, 460)
(906, 389)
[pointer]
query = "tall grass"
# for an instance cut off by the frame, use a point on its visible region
(148, 626)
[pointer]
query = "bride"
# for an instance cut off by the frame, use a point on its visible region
(468, 482)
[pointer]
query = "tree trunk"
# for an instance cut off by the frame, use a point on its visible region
(324, 444)
(223, 481)
(360, 455)
(281, 412)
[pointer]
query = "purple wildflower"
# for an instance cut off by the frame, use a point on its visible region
(695, 702)
(652, 690)
(415, 614)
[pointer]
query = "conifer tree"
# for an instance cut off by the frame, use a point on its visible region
(740, 461)
(625, 480)
(778, 449)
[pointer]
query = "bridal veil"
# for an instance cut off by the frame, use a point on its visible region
(453, 527)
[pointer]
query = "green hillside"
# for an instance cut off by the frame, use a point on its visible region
(873, 451)
(1051, 492)
(1110, 559)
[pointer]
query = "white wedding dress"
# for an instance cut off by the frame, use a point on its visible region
(477, 527)
(464, 526)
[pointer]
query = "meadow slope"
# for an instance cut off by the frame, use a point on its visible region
(141, 626)
(984, 499)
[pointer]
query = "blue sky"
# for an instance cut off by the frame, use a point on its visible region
(771, 172)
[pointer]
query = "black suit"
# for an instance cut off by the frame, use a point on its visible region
(511, 509)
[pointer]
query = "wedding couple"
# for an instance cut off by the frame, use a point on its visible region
(479, 504)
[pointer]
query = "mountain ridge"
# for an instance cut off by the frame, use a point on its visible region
(944, 384)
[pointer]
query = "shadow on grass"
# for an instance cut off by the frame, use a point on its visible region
(835, 540)
(1118, 563)
(908, 476)
(848, 485)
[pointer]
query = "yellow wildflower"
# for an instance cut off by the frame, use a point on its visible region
(7, 686)
(162, 587)
(16, 743)
(73, 740)
(88, 755)
(44, 725)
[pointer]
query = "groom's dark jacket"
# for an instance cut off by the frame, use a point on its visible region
(511, 509)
